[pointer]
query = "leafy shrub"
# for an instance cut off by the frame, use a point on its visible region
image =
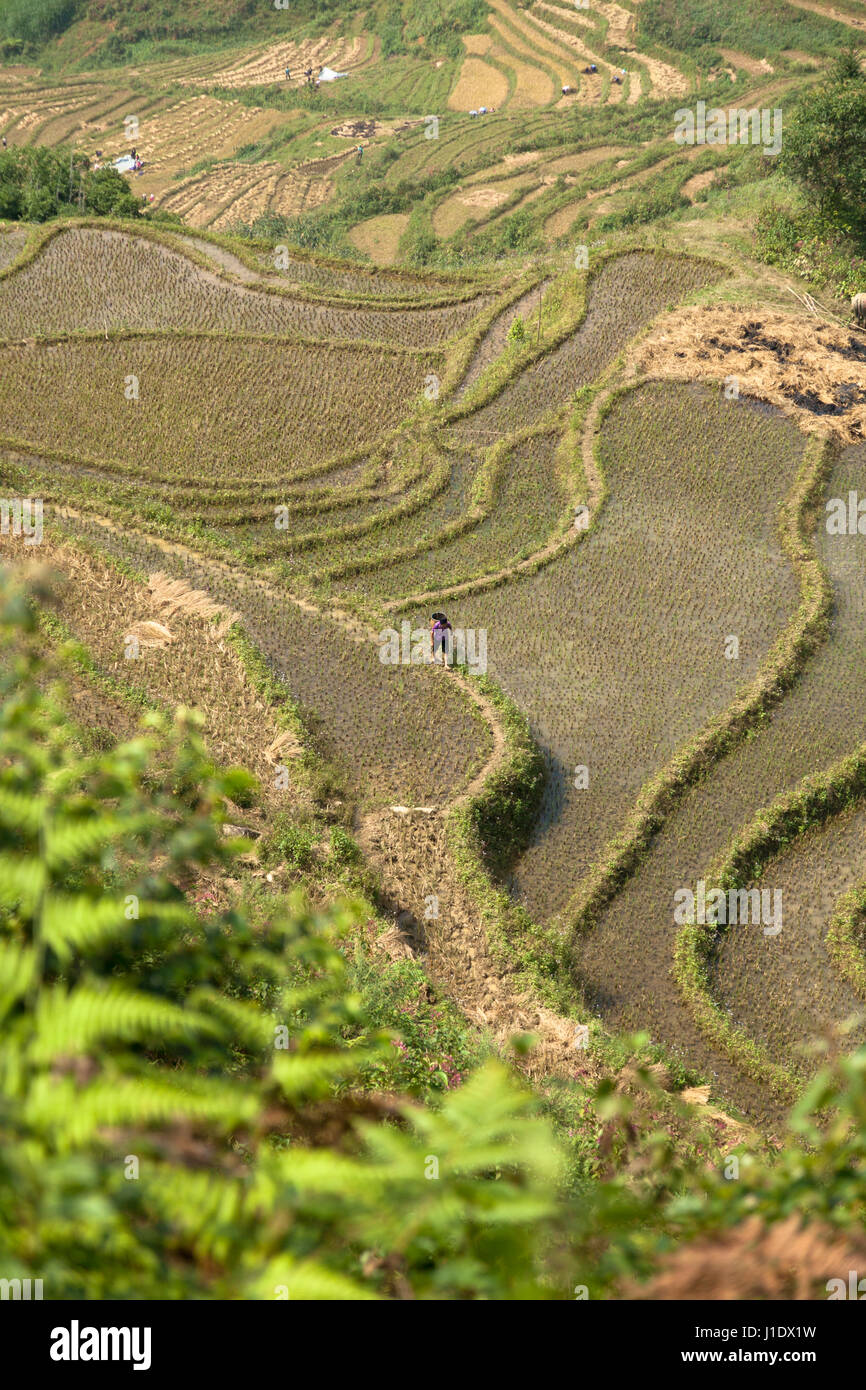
(154, 1035)
(36, 21)
(805, 243)
(343, 848)
(294, 843)
(37, 183)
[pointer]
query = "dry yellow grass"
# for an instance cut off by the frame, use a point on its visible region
(269, 64)
(477, 43)
(792, 362)
(197, 127)
(379, 237)
(666, 80)
(534, 41)
(233, 193)
(788, 1261)
(183, 659)
(533, 87)
(756, 66)
(411, 851)
(474, 204)
(590, 86)
(575, 163)
(696, 183)
(559, 223)
(620, 23)
(478, 84)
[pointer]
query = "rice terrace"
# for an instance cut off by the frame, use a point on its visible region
(433, 613)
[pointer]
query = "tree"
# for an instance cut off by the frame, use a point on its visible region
(37, 184)
(824, 148)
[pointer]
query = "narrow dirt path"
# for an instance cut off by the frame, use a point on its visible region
(409, 847)
(828, 12)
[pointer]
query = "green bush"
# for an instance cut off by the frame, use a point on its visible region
(37, 183)
(343, 848)
(34, 22)
(294, 843)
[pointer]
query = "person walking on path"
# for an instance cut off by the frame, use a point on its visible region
(440, 638)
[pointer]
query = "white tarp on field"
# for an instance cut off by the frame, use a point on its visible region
(125, 164)
(328, 75)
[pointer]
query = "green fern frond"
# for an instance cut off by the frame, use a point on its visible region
(303, 1075)
(307, 1281)
(74, 1022)
(84, 922)
(249, 1025)
(22, 882)
(19, 811)
(73, 1116)
(17, 971)
(71, 841)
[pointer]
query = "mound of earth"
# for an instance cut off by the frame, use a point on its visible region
(808, 367)
(351, 130)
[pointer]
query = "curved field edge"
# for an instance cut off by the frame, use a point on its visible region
(818, 798)
(487, 833)
(179, 243)
(580, 420)
(844, 939)
(497, 814)
(516, 769)
(574, 290)
(779, 670)
(580, 483)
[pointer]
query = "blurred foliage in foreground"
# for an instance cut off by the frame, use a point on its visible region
(180, 1098)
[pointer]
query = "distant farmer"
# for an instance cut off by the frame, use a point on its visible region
(360, 154)
(440, 637)
(288, 74)
(4, 142)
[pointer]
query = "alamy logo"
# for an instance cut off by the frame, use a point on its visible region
(75, 1343)
(22, 516)
(24, 1289)
(855, 1288)
(846, 518)
(736, 126)
(412, 647)
(737, 907)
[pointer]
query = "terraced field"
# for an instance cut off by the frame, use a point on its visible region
(335, 446)
(820, 720)
(588, 645)
(143, 286)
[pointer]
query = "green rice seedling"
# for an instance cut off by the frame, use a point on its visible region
(205, 409)
(819, 720)
(406, 735)
(586, 646)
(625, 294)
(107, 281)
(785, 991)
